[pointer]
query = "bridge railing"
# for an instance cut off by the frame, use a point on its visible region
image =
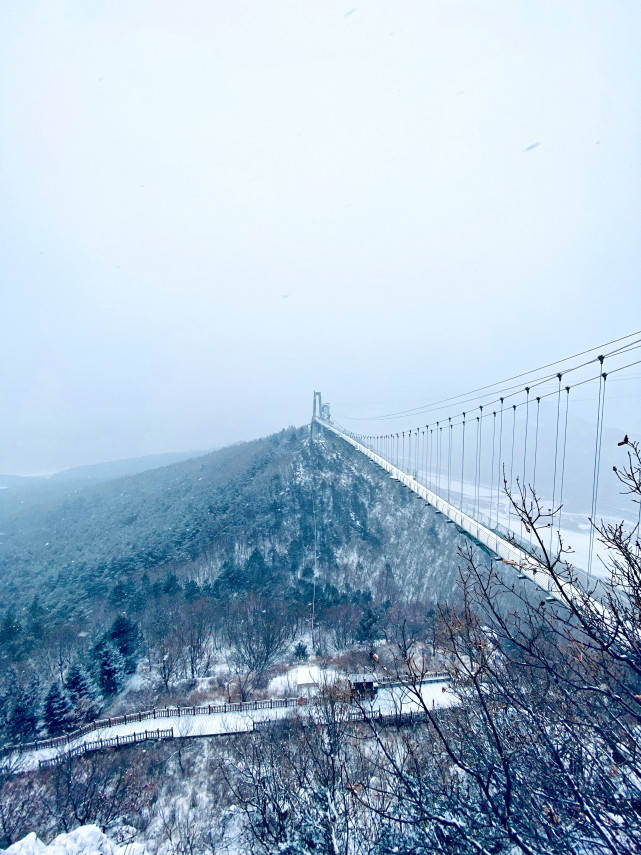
(504, 546)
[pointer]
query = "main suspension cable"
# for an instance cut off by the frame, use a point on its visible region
(488, 386)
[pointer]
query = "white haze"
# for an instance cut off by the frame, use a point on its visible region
(209, 209)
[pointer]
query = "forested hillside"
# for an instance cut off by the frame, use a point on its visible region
(206, 517)
(207, 567)
(536, 749)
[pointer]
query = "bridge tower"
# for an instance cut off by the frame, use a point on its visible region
(319, 411)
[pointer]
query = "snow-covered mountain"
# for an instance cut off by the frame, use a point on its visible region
(210, 513)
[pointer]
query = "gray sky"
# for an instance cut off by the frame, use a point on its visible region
(209, 209)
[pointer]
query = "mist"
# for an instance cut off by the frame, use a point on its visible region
(208, 211)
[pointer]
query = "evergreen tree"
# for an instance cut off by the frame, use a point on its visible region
(300, 652)
(171, 585)
(23, 717)
(256, 569)
(36, 620)
(192, 591)
(125, 636)
(109, 668)
(10, 628)
(318, 827)
(403, 841)
(82, 692)
(57, 714)
(368, 626)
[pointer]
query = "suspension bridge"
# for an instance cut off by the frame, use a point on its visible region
(538, 433)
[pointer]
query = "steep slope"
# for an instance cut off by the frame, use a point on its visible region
(392, 541)
(211, 514)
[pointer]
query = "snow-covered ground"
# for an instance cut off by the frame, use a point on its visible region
(84, 839)
(303, 679)
(394, 699)
(388, 700)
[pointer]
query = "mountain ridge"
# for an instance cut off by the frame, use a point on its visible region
(204, 514)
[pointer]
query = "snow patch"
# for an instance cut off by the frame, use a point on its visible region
(84, 839)
(302, 679)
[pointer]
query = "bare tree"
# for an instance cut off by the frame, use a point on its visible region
(257, 632)
(341, 622)
(96, 788)
(197, 627)
(290, 782)
(61, 650)
(542, 752)
(165, 642)
(21, 802)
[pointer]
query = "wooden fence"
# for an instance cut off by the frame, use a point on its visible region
(101, 744)
(155, 714)
(177, 712)
(432, 677)
(396, 719)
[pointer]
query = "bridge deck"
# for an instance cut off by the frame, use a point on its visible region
(508, 552)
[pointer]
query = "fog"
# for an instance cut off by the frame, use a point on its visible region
(208, 210)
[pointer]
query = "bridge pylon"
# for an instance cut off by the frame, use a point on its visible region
(320, 410)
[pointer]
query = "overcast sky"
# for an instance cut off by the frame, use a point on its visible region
(209, 209)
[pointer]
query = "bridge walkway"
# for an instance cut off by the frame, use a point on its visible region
(528, 566)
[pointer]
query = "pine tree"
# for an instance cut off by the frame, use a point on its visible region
(109, 668)
(22, 708)
(171, 585)
(192, 591)
(300, 652)
(58, 714)
(368, 626)
(36, 620)
(256, 569)
(10, 628)
(82, 692)
(125, 636)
